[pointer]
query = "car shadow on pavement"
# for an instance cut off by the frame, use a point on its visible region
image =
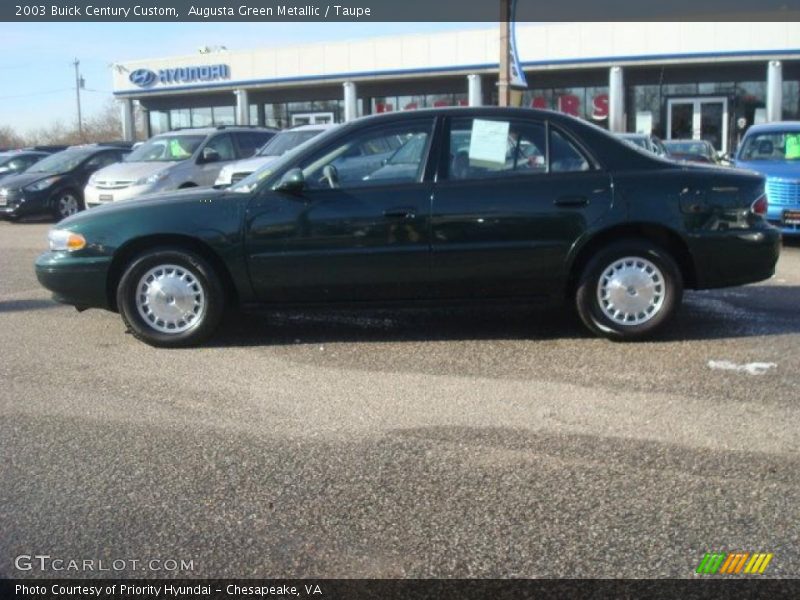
(758, 310)
(25, 305)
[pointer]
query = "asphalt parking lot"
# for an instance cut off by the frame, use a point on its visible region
(440, 443)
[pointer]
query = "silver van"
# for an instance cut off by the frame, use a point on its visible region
(174, 160)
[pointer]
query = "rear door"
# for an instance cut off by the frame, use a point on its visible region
(513, 196)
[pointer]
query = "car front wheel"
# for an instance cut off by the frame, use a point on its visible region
(629, 290)
(170, 298)
(66, 204)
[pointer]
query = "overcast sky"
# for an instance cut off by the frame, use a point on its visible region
(38, 79)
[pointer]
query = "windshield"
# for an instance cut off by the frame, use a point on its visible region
(61, 162)
(166, 148)
(286, 140)
(248, 184)
(774, 146)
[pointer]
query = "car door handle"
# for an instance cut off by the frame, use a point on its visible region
(571, 201)
(403, 212)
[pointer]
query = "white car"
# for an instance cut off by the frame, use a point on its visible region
(174, 160)
(278, 146)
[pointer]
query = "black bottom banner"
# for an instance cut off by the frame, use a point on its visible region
(389, 589)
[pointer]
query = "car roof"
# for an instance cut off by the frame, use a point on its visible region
(775, 126)
(210, 130)
(311, 127)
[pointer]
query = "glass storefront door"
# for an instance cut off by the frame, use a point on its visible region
(699, 119)
(319, 118)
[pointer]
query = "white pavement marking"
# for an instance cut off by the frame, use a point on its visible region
(754, 368)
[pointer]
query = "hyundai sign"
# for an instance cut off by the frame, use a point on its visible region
(145, 78)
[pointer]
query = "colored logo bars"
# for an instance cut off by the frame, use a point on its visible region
(734, 563)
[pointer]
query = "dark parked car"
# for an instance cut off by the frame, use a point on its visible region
(585, 218)
(647, 141)
(15, 162)
(55, 184)
(700, 151)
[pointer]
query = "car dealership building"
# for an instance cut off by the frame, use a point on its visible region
(676, 80)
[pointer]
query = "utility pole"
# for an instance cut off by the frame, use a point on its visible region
(78, 86)
(503, 86)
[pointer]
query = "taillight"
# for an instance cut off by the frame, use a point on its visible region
(759, 207)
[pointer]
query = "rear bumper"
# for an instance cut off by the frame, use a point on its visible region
(77, 281)
(728, 258)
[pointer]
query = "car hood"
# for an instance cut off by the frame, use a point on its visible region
(16, 182)
(784, 169)
(132, 171)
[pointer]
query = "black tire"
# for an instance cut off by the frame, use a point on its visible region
(198, 272)
(59, 202)
(594, 304)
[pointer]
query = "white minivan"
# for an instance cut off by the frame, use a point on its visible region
(175, 160)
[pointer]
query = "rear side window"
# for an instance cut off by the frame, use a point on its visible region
(484, 148)
(564, 156)
(250, 141)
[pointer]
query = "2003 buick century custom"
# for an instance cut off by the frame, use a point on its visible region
(430, 205)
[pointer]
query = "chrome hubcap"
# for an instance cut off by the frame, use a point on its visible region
(67, 205)
(631, 290)
(170, 299)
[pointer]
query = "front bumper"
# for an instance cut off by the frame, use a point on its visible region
(79, 281)
(776, 218)
(23, 204)
(96, 196)
(735, 257)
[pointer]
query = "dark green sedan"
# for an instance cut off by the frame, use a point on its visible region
(425, 206)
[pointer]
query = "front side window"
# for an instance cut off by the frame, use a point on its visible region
(250, 141)
(389, 155)
(222, 145)
(481, 148)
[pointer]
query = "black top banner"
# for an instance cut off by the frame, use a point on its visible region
(397, 10)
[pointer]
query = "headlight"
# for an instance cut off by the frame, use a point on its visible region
(4, 192)
(42, 184)
(151, 179)
(63, 240)
(93, 179)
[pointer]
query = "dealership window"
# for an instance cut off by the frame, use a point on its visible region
(159, 122)
(202, 117)
(180, 118)
(791, 100)
(254, 114)
(590, 103)
(224, 115)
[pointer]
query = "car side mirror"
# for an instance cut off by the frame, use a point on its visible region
(292, 182)
(210, 155)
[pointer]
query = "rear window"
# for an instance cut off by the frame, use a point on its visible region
(771, 146)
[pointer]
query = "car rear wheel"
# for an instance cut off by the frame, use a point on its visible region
(66, 204)
(629, 290)
(170, 298)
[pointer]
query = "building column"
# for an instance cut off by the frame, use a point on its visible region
(128, 120)
(616, 100)
(774, 91)
(350, 101)
(242, 107)
(474, 90)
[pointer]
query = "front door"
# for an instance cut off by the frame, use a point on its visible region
(505, 214)
(360, 228)
(699, 119)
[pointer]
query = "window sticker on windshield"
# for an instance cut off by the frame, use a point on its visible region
(793, 147)
(488, 144)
